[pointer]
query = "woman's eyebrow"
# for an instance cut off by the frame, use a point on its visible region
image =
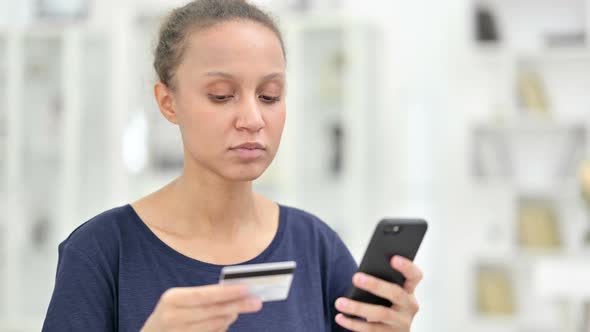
(271, 76)
(219, 73)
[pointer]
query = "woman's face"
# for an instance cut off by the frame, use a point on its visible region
(229, 99)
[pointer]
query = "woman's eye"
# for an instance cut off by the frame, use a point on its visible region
(220, 98)
(269, 99)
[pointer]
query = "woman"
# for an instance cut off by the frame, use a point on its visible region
(153, 265)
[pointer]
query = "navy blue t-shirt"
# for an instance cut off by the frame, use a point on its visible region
(113, 269)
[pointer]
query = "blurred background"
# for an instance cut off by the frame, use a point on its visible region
(472, 114)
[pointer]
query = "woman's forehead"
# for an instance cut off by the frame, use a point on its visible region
(239, 43)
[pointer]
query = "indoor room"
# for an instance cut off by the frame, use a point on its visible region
(470, 115)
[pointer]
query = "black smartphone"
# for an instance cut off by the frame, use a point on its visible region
(391, 237)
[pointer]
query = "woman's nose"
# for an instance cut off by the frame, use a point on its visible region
(249, 115)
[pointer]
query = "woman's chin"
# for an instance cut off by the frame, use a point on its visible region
(245, 173)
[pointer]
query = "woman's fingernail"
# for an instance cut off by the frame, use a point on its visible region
(342, 303)
(399, 261)
(361, 278)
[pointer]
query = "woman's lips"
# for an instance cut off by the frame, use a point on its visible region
(249, 150)
(249, 145)
(244, 153)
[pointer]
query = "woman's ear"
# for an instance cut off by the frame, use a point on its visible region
(165, 100)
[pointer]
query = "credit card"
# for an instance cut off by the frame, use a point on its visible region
(267, 281)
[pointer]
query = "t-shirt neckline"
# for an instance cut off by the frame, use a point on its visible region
(195, 263)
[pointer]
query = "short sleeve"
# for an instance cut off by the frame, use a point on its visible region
(340, 271)
(83, 297)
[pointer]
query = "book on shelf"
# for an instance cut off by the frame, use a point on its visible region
(537, 224)
(495, 291)
(531, 91)
(486, 28)
(585, 181)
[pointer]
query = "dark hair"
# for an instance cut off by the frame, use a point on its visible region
(195, 16)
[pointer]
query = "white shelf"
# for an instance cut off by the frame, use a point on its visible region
(554, 55)
(534, 155)
(541, 53)
(562, 277)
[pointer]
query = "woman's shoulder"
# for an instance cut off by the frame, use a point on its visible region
(307, 221)
(321, 239)
(101, 232)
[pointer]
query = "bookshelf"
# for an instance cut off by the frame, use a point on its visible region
(529, 137)
(53, 112)
(331, 69)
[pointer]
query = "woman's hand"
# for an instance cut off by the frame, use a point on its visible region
(204, 308)
(398, 317)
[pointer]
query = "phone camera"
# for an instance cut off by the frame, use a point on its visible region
(391, 229)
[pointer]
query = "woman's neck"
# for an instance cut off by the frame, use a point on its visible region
(204, 204)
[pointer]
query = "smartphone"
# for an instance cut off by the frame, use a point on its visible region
(392, 236)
